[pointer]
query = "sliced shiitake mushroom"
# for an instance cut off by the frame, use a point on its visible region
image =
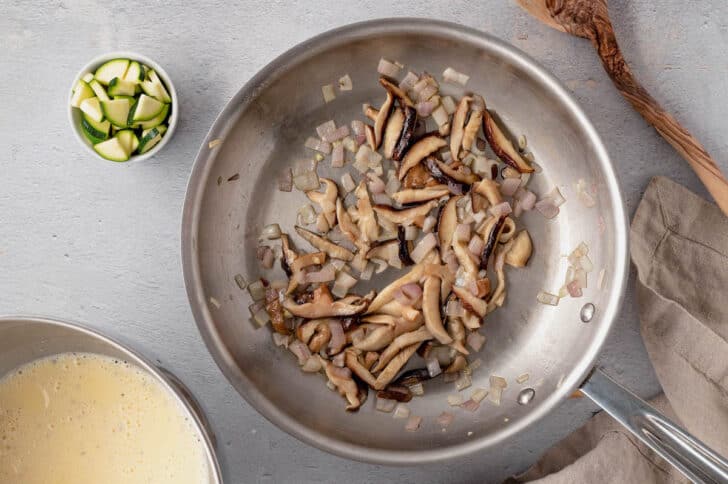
(520, 251)
(358, 368)
(396, 308)
(323, 305)
(447, 221)
(405, 247)
(399, 393)
(345, 385)
(454, 173)
(275, 311)
(418, 177)
(417, 195)
(385, 250)
(431, 309)
(334, 251)
(457, 332)
(399, 343)
(465, 259)
(471, 129)
(348, 228)
(387, 294)
(458, 127)
(326, 200)
(407, 215)
(502, 146)
(412, 377)
(491, 232)
(381, 120)
(419, 151)
(489, 189)
(407, 135)
(315, 333)
(470, 301)
(384, 319)
(367, 222)
(392, 131)
(396, 92)
(396, 364)
(375, 339)
(453, 185)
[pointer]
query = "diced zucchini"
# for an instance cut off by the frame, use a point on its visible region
(116, 111)
(155, 121)
(94, 131)
(151, 137)
(88, 77)
(158, 86)
(82, 91)
(112, 149)
(146, 108)
(131, 99)
(129, 139)
(99, 90)
(111, 69)
(135, 73)
(92, 107)
(117, 87)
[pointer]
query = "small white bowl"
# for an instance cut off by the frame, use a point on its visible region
(74, 114)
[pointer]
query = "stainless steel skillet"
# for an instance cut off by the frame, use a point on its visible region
(262, 131)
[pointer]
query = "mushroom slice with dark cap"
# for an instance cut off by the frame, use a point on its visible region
(457, 175)
(407, 135)
(396, 92)
(502, 146)
(392, 131)
(419, 151)
(458, 127)
(418, 177)
(417, 195)
(405, 216)
(334, 251)
(491, 233)
(323, 305)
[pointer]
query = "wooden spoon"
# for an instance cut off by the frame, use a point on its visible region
(589, 19)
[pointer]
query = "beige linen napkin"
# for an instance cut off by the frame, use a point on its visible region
(679, 244)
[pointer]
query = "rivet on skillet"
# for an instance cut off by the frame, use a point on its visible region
(587, 312)
(525, 396)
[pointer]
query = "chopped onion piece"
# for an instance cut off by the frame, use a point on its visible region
(411, 232)
(600, 279)
(522, 378)
(301, 351)
(413, 423)
(285, 180)
(440, 116)
(362, 158)
(462, 232)
(408, 82)
(401, 411)
(381, 266)
(328, 92)
(343, 283)
(475, 340)
(387, 68)
(242, 283)
(509, 186)
(267, 259)
(281, 339)
(326, 128)
(433, 367)
(428, 224)
(455, 400)
(261, 317)
(501, 209)
(445, 419)
(345, 83)
(449, 104)
(326, 274)
(463, 382)
(528, 200)
(470, 405)
(586, 198)
(417, 389)
(478, 395)
(256, 290)
(376, 184)
(359, 130)
(454, 77)
(348, 182)
(498, 381)
(337, 155)
(336, 135)
(306, 215)
(423, 247)
(425, 108)
(270, 232)
(318, 145)
(350, 144)
(547, 298)
(494, 395)
(556, 197)
(476, 246)
(306, 181)
(385, 405)
(547, 208)
(366, 274)
(312, 365)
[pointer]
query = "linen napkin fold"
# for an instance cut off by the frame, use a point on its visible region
(679, 244)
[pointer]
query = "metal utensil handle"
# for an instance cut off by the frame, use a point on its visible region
(679, 448)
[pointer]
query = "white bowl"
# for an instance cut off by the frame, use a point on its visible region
(74, 114)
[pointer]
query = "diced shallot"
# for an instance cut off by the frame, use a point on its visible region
(376, 184)
(343, 283)
(318, 145)
(338, 338)
(470, 405)
(445, 419)
(281, 339)
(433, 366)
(556, 196)
(401, 411)
(424, 246)
(479, 394)
(455, 400)
(326, 274)
(347, 182)
(306, 181)
(337, 155)
(528, 200)
(547, 298)
(501, 209)
(345, 83)
(328, 92)
(387, 68)
(301, 351)
(385, 405)
(285, 180)
(454, 77)
(268, 258)
(476, 246)
(509, 186)
(547, 208)
(326, 128)
(336, 135)
(449, 104)
(428, 224)
(584, 195)
(408, 82)
(425, 108)
(455, 308)
(475, 340)
(462, 232)
(357, 127)
(409, 294)
(413, 423)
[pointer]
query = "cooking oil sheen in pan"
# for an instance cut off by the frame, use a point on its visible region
(79, 418)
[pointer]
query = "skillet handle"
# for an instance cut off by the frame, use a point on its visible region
(675, 445)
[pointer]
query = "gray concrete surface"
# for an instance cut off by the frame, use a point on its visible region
(98, 243)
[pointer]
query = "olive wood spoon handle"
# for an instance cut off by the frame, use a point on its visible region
(589, 19)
